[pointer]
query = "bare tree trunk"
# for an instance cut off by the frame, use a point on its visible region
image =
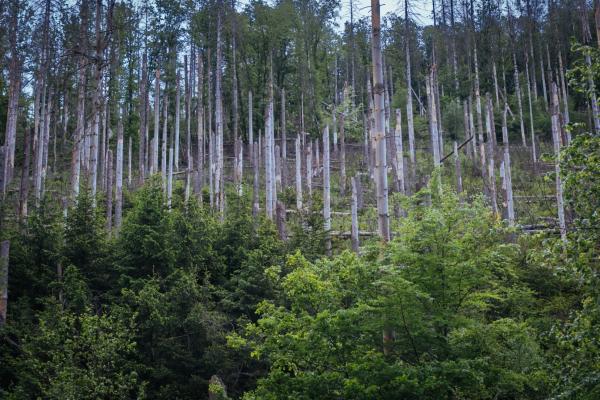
(433, 124)
(109, 191)
(256, 187)
(467, 128)
(200, 133)
(219, 178)
(495, 76)
(519, 101)
(556, 140)
(4, 260)
(177, 118)
(298, 157)
(354, 213)
(533, 146)
(544, 88)
(170, 178)
(24, 191)
(565, 94)
(14, 93)
(309, 169)
(457, 169)
(79, 132)
(326, 191)
(163, 159)
(284, 174)
(379, 131)
(129, 154)
(143, 119)
(250, 127)
(119, 176)
(343, 147)
(409, 104)
(490, 154)
(154, 164)
(269, 160)
(507, 171)
(400, 177)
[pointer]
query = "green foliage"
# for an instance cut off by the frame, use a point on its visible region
(442, 295)
(72, 356)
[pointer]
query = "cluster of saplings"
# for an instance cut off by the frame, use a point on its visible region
(457, 306)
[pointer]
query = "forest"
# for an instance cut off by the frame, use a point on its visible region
(300, 199)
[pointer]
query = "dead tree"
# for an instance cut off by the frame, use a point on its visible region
(298, 173)
(326, 190)
(508, 190)
(379, 128)
(4, 260)
(354, 212)
(556, 141)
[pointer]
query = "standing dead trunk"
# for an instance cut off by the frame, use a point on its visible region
(326, 191)
(170, 178)
(409, 103)
(119, 177)
(519, 101)
(200, 133)
(343, 146)
(250, 127)
(354, 214)
(565, 94)
(490, 154)
(163, 159)
(309, 169)
(457, 169)
(143, 120)
(269, 161)
(109, 191)
(256, 182)
(24, 191)
(4, 260)
(219, 178)
(496, 90)
(129, 154)
(298, 157)
(529, 97)
(379, 129)
(154, 164)
(556, 141)
(14, 92)
(433, 124)
(284, 174)
(508, 191)
(177, 119)
(467, 129)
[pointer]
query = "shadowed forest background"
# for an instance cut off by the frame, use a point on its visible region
(299, 199)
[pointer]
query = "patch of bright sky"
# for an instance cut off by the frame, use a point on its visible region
(420, 10)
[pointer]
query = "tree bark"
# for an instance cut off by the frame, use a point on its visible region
(326, 191)
(4, 265)
(119, 177)
(556, 141)
(379, 131)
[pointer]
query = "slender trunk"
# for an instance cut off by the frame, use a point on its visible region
(433, 125)
(219, 178)
(519, 101)
(143, 120)
(284, 174)
(154, 165)
(457, 169)
(170, 178)
(354, 214)
(256, 182)
(508, 191)
(400, 177)
(556, 140)
(109, 191)
(178, 118)
(490, 154)
(119, 177)
(298, 173)
(379, 131)
(24, 191)
(529, 97)
(4, 259)
(326, 191)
